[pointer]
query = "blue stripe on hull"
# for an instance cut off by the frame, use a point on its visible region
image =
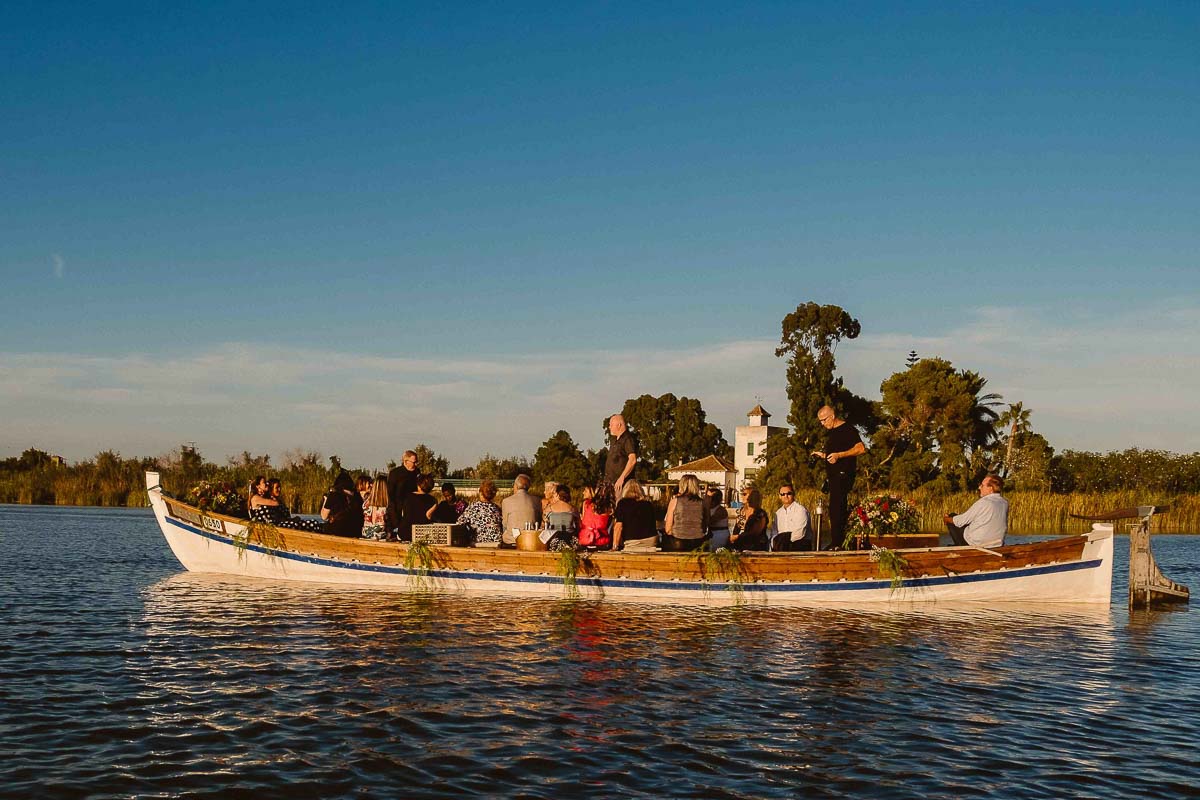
(649, 584)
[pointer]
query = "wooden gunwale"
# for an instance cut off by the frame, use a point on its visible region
(829, 566)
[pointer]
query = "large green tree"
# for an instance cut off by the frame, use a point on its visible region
(938, 425)
(808, 340)
(670, 430)
(560, 459)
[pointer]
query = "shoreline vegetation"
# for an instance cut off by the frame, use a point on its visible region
(933, 434)
(110, 481)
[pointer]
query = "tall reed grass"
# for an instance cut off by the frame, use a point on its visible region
(58, 487)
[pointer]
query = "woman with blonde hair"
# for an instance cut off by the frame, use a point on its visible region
(375, 510)
(686, 525)
(635, 524)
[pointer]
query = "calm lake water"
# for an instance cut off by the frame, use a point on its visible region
(124, 676)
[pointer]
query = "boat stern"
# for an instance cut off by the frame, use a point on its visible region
(1099, 548)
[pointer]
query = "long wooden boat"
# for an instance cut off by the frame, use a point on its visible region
(1072, 569)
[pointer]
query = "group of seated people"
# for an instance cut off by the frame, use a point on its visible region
(603, 522)
(694, 518)
(341, 507)
(693, 521)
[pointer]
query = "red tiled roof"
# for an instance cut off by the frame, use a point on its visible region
(706, 464)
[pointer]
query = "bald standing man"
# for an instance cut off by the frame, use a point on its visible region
(622, 454)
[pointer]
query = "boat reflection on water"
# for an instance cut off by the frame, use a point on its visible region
(438, 688)
(579, 641)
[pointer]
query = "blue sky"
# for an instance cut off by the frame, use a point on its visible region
(358, 228)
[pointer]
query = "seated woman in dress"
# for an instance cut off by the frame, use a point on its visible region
(342, 508)
(275, 492)
(375, 510)
(635, 527)
(416, 507)
(448, 509)
(549, 495)
(483, 518)
(561, 520)
(254, 494)
(749, 531)
(597, 513)
(266, 507)
(270, 509)
(686, 525)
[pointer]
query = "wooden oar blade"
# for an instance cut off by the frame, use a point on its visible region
(1129, 512)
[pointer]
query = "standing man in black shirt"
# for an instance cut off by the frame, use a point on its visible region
(401, 482)
(843, 446)
(622, 454)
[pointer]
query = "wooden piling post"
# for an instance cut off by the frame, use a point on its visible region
(1148, 587)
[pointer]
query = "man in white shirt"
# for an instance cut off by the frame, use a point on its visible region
(985, 523)
(791, 530)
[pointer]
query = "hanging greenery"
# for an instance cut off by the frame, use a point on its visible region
(891, 564)
(419, 560)
(568, 567)
(723, 564)
(259, 533)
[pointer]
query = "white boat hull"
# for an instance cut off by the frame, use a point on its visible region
(210, 544)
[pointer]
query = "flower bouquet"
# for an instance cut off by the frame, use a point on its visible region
(223, 498)
(883, 515)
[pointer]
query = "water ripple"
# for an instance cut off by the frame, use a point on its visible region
(126, 677)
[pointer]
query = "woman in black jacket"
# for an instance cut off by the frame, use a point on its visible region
(342, 508)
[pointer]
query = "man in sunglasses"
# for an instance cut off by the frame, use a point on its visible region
(791, 530)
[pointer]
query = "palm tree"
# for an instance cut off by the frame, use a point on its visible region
(1017, 420)
(983, 414)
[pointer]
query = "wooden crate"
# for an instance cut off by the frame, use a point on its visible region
(442, 534)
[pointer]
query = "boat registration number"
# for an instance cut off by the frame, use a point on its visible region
(203, 520)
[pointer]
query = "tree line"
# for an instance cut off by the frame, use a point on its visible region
(673, 429)
(935, 430)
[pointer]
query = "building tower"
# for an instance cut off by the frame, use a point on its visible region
(750, 443)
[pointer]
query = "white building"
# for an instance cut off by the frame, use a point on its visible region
(710, 470)
(750, 443)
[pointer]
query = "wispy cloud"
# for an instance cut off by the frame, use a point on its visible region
(59, 265)
(1104, 379)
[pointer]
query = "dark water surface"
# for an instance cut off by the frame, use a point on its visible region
(124, 676)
